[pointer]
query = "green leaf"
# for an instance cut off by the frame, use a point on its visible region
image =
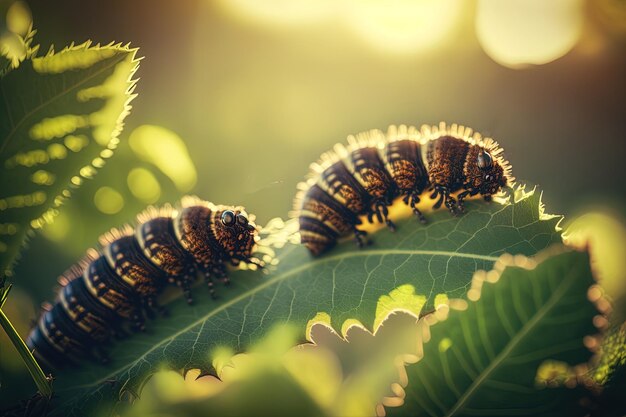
(484, 361)
(60, 116)
(268, 377)
(613, 358)
(438, 258)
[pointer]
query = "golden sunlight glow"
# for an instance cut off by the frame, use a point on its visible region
(605, 236)
(108, 200)
(611, 15)
(403, 25)
(167, 151)
(144, 185)
(392, 25)
(402, 298)
(516, 33)
(283, 12)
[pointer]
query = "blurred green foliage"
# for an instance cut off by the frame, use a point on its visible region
(255, 96)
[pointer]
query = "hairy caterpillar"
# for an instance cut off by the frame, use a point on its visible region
(115, 288)
(366, 176)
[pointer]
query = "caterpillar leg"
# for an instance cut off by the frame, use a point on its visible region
(412, 200)
(186, 286)
(384, 212)
(184, 282)
(445, 198)
(461, 197)
(219, 272)
(153, 308)
(380, 210)
(360, 237)
(211, 273)
(150, 313)
(208, 280)
(138, 322)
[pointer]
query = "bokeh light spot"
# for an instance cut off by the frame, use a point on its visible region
(281, 12)
(167, 151)
(43, 177)
(404, 26)
(516, 33)
(108, 200)
(56, 127)
(76, 142)
(444, 344)
(18, 18)
(57, 151)
(58, 229)
(605, 237)
(143, 184)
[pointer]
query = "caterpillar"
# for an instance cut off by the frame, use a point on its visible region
(114, 289)
(363, 179)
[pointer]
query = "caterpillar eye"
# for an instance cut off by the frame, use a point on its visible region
(228, 218)
(241, 219)
(484, 160)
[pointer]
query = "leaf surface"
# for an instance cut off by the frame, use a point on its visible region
(60, 116)
(484, 361)
(438, 258)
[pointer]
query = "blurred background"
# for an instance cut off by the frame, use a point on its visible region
(237, 97)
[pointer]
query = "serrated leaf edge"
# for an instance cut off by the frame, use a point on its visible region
(48, 216)
(594, 294)
(519, 194)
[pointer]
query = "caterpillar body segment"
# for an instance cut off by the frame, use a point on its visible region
(111, 291)
(366, 176)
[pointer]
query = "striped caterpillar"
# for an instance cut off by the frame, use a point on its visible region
(115, 288)
(366, 176)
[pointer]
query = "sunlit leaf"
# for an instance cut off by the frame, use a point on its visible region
(266, 378)
(613, 355)
(16, 39)
(610, 371)
(438, 258)
(484, 360)
(60, 116)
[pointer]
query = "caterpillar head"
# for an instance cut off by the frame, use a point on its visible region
(483, 172)
(234, 232)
